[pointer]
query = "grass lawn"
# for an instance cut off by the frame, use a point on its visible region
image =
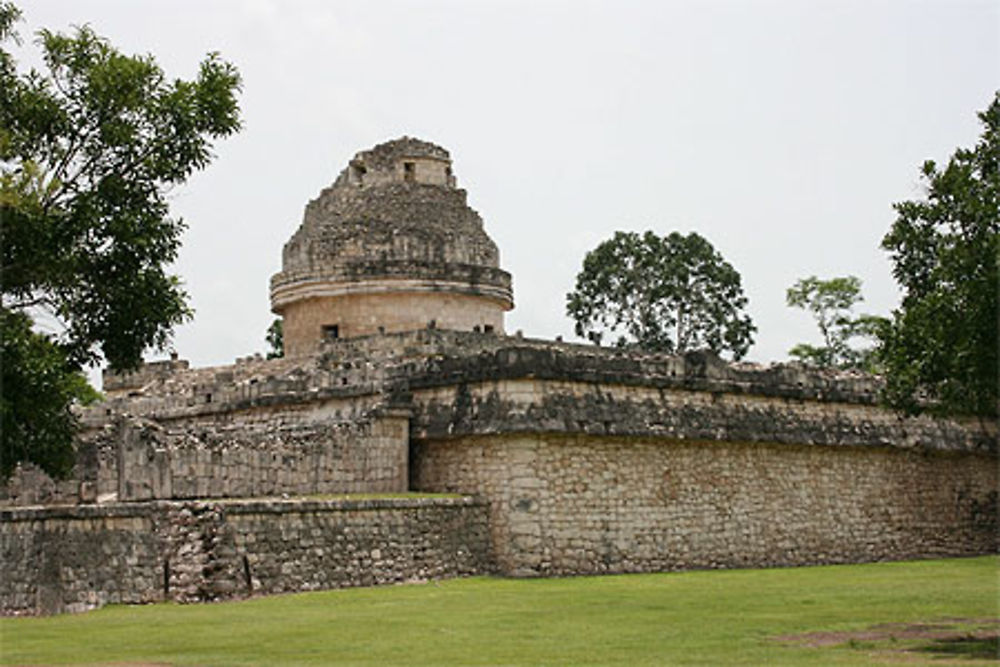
(715, 617)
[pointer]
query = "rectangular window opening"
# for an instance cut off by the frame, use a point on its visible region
(359, 173)
(409, 170)
(331, 332)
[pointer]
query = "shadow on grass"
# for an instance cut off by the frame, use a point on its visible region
(978, 648)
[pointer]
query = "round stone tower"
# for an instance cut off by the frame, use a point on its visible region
(391, 246)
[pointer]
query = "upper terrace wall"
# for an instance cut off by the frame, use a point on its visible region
(602, 461)
(341, 420)
(571, 465)
(256, 453)
(550, 389)
(256, 428)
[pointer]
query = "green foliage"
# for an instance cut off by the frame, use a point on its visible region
(275, 339)
(89, 149)
(942, 342)
(39, 386)
(730, 617)
(831, 303)
(669, 294)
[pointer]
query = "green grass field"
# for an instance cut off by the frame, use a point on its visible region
(715, 617)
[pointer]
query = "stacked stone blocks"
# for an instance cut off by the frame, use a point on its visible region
(74, 558)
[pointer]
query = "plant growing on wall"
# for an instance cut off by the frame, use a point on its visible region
(88, 149)
(941, 343)
(666, 294)
(275, 339)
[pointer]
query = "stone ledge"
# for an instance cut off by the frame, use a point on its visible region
(230, 506)
(104, 511)
(396, 269)
(540, 406)
(431, 358)
(695, 371)
(289, 292)
(282, 506)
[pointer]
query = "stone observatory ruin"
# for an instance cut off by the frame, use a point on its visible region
(391, 246)
(476, 451)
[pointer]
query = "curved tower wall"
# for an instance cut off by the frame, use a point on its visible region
(307, 322)
(391, 246)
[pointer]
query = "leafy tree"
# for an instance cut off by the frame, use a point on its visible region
(39, 386)
(276, 339)
(942, 341)
(668, 294)
(831, 303)
(89, 149)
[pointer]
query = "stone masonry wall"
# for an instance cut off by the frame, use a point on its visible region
(394, 221)
(594, 407)
(70, 559)
(584, 504)
(364, 314)
(617, 463)
(309, 546)
(256, 454)
(261, 458)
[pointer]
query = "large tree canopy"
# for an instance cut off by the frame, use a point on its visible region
(942, 341)
(669, 294)
(89, 149)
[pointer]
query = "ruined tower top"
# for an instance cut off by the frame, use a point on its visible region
(404, 160)
(392, 245)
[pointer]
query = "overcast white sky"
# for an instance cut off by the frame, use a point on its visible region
(780, 130)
